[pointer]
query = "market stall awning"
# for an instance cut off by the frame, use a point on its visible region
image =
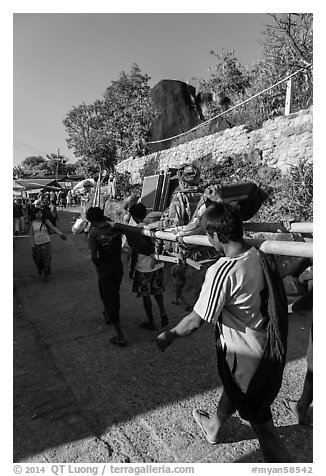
(32, 184)
(17, 186)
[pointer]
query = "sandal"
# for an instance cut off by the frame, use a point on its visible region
(148, 326)
(290, 405)
(197, 417)
(115, 341)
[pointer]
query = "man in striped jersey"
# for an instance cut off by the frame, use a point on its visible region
(232, 299)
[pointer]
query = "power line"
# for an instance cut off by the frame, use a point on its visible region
(233, 107)
(24, 146)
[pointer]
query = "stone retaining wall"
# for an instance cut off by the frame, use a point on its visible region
(280, 142)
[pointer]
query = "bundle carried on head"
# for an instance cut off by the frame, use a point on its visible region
(247, 197)
(188, 174)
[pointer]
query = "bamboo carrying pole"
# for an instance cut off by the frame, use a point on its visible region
(274, 247)
(285, 227)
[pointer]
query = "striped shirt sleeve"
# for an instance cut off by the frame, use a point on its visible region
(214, 292)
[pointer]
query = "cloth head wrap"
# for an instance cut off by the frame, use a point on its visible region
(189, 174)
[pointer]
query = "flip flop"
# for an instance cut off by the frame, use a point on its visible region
(197, 417)
(295, 413)
(115, 341)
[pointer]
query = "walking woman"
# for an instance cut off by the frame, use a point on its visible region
(41, 241)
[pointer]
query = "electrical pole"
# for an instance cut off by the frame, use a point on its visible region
(289, 97)
(58, 157)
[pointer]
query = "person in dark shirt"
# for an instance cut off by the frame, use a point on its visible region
(105, 246)
(19, 224)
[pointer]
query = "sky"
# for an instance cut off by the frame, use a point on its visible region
(53, 62)
(61, 60)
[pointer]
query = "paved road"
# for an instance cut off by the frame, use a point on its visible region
(77, 398)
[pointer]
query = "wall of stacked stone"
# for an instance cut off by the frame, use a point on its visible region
(279, 143)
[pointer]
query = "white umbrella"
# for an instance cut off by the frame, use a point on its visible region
(82, 182)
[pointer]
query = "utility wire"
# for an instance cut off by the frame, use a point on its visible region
(233, 107)
(24, 146)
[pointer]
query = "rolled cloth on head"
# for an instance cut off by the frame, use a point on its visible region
(247, 197)
(189, 174)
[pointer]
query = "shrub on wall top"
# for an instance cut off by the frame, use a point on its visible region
(124, 185)
(150, 168)
(290, 195)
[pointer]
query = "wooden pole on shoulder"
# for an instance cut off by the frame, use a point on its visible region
(285, 248)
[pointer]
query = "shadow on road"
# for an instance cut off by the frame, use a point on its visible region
(78, 398)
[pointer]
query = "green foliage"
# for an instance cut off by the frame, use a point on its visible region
(86, 167)
(124, 185)
(114, 127)
(38, 166)
(294, 196)
(290, 195)
(229, 79)
(131, 112)
(55, 164)
(70, 168)
(89, 136)
(288, 47)
(19, 172)
(150, 168)
(33, 163)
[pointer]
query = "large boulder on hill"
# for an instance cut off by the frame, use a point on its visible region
(179, 110)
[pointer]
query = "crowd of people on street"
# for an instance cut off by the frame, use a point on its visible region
(48, 200)
(38, 217)
(242, 299)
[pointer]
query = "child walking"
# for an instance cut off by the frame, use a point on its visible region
(105, 246)
(41, 241)
(148, 275)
